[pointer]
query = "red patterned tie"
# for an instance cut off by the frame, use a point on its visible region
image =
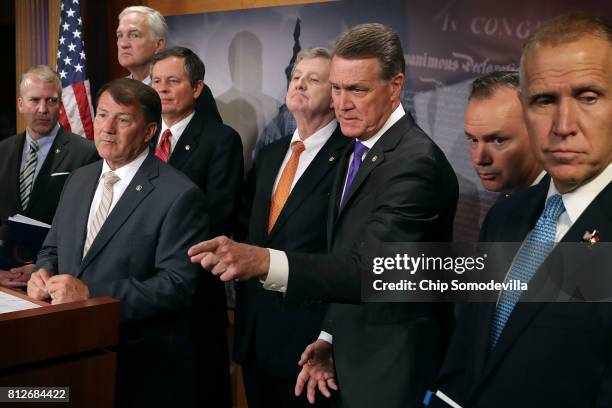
(163, 148)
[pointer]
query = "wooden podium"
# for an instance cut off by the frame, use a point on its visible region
(62, 346)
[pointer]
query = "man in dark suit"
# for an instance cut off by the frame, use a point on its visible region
(291, 182)
(35, 164)
(141, 33)
(518, 353)
(210, 154)
(120, 231)
(393, 185)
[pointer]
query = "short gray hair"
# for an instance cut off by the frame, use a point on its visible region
(484, 86)
(565, 29)
(373, 40)
(157, 22)
(43, 73)
(309, 53)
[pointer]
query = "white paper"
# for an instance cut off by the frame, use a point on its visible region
(27, 220)
(10, 303)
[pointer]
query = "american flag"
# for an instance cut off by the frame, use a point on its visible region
(77, 110)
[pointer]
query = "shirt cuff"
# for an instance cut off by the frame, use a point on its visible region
(325, 336)
(278, 274)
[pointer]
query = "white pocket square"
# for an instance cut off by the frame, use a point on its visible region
(64, 173)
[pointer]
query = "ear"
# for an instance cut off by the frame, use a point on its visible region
(397, 84)
(151, 129)
(20, 104)
(160, 44)
(197, 89)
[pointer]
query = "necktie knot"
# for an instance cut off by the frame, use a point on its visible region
(298, 147)
(554, 207)
(110, 178)
(166, 135)
(359, 149)
(163, 148)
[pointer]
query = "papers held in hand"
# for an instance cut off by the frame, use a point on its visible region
(20, 240)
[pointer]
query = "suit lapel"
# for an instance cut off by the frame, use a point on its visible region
(597, 213)
(376, 156)
(187, 143)
(138, 189)
(58, 151)
(265, 181)
(81, 212)
(597, 216)
(524, 218)
(12, 188)
(336, 192)
(318, 168)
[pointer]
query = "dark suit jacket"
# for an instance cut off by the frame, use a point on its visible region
(549, 354)
(405, 190)
(207, 105)
(210, 154)
(68, 153)
(280, 334)
(139, 257)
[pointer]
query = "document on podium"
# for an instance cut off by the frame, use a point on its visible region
(12, 303)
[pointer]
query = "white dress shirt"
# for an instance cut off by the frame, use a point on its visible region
(126, 173)
(312, 146)
(278, 273)
(577, 201)
(177, 130)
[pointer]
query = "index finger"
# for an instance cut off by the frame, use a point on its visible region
(204, 246)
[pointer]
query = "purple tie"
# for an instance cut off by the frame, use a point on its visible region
(358, 151)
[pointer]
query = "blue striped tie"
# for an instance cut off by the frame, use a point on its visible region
(26, 177)
(530, 257)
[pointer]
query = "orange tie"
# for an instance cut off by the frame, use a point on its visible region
(279, 198)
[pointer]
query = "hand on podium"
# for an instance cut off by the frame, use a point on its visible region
(60, 288)
(16, 277)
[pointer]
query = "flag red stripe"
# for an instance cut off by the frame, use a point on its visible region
(63, 119)
(80, 93)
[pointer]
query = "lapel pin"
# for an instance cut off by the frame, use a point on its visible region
(139, 188)
(591, 237)
(331, 158)
(57, 151)
(374, 158)
(187, 147)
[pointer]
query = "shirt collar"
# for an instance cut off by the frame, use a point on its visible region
(44, 140)
(127, 171)
(577, 201)
(146, 80)
(539, 178)
(397, 114)
(318, 138)
(178, 128)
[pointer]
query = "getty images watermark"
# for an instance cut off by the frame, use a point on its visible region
(478, 272)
